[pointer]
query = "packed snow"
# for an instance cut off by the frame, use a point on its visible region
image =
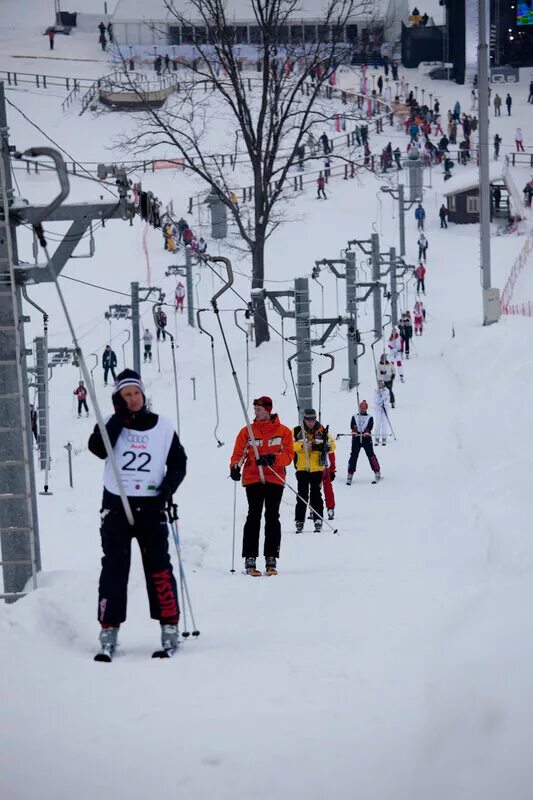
(391, 660)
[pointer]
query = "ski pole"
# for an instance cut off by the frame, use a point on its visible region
(173, 515)
(234, 523)
(173, 350)
(62, 175)
(203, 330)
(214, 303)
(299, 496)
(390, 426)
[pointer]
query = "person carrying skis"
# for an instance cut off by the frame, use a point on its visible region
(152, 464)
(419, 314)
(276, 451)
(312, 443)
(420, 274)
(180, 296)
(161, 319)
(386, 372)
(362, 425)
(109, 362)
(381, 406)
(328, 476)
(422, 247)
(148, 338)
(405, 327)
(395, 352)
(81, 394)
(420, 215)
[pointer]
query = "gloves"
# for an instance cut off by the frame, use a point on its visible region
(119, 404)
(332, 475)
(266, 461)
(165, 492)
(235, 472)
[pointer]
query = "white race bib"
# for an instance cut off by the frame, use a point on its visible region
(141, 459)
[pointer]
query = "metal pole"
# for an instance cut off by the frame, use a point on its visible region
(351, 310)
(19, 536)
(484, 179)
(135, 332)
(128, 333)
(68, 448)
(190, 288)
(41, 363)
(303, 343)
(376, 275)
(393, 286)
(401, 218)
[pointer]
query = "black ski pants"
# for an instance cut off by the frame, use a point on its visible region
(161, 333)
(310, 490)
(82, 404)
(106, 373)
(406, 344)
(267, 495)
(365, 443)
(420, 285)
(150, 530)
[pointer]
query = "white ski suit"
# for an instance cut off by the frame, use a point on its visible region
(382, 407)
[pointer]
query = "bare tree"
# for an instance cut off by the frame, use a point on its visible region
(274, 111)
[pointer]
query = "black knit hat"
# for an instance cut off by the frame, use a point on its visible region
(128, 377)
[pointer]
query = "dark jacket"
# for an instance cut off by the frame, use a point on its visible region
(141, 421)
(109, 358)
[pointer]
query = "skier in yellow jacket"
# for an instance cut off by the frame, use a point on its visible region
(311, 448)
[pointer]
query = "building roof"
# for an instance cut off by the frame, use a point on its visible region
(473, 182)
(238, 10)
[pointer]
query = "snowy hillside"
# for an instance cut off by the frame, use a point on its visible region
(389, 662)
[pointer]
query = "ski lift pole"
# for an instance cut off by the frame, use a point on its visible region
(214, 303)
(95, 365)
(300, 411)
(247, 355)
(203, 330)
(45, 389)
(123, 345)
(155, 308)
(284, 392)
(320, 374)
(62, 175)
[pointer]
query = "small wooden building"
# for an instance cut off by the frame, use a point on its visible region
(463, 200)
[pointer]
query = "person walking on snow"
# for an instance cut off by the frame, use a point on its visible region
(276, 451)
(405, 327)
(328, 476)
(320, 182)
(420, 274)
(312, 443)
(148, 338)
(103, 41)
(381, 405)
(81, 394)
(519, 140)
(161, 319)
(420, 216)
(422, 247)
(180, 296)
(362, 425)
(386, 372)
(51, 37)
(508, 103)
(152, 464)
(443, 214)
(497, 102)
(419, 314)
(109, 362)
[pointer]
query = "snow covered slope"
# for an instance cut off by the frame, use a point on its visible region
(389, 661)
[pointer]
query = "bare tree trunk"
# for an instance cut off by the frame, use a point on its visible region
(262, 333)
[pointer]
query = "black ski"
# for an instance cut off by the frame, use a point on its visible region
(166, 653)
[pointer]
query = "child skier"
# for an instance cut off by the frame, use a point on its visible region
(386, 372)
(180, 296)
(395, 352)
(81, 394)
(418, 316)
(361, 425)
(148, 337)
(382, 406)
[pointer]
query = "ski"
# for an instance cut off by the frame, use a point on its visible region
(105, 655)
(255, 574)
(271, 571)
(165, 653)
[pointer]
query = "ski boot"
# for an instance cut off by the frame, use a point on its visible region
(270, 565)
(377, 477)
(299, 526)
(250, 567)
(376, 442)
(383, 442)
(170, 637)
(318, 525)
(331, 511)
(349, 479)
(108, 642)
